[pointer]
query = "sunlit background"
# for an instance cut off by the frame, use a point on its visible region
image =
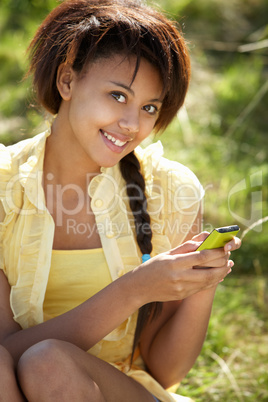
(221, 134)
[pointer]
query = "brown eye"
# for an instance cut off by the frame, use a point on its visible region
(119, 97)
(151, 109)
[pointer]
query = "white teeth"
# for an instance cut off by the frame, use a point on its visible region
(114, 140)
(119, 143)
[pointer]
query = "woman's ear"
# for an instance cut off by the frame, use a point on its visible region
(65, 76)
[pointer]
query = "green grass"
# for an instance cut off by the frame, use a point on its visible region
(233, 364)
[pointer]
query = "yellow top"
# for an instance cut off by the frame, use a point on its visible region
(27, 228)
(75, 276)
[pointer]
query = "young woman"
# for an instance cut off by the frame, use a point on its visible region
(95, 229)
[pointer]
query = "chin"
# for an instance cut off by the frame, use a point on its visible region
(109, 165)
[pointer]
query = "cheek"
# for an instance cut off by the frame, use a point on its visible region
(147, 126)
(87, 112)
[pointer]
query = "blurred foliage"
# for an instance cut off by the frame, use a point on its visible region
(18, 22)
(220, 133)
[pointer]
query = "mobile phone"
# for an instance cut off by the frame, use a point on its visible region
(219, 237)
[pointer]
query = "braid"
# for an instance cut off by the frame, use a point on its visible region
(130, 170)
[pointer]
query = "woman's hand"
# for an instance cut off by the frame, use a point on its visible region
(174, 275)
(232, 245)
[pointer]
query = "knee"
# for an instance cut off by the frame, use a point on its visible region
(39, 364)
(41, 358)
(49, 368)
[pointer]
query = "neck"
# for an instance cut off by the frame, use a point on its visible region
(62, 159)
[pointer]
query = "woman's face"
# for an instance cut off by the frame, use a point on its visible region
(105, 116)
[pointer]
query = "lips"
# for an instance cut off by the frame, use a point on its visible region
(115, 142)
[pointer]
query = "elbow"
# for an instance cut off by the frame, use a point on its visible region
(170, 378)
(168, 383)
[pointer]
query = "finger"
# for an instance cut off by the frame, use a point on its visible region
(187, 247)
(191, 281)
(196, 258)
(201, 236)
(230, 266)
(221, 272)
(208, 278)
(222, 261)
(190, 245)
(232, 245)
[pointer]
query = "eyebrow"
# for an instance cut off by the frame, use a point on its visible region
(130, 90)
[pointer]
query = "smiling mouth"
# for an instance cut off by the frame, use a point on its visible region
(115, 141)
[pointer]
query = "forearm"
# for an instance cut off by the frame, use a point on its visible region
(86, 324)
(179, 342)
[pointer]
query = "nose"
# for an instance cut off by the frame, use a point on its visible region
(130, 121)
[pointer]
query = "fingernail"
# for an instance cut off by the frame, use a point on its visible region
(228, 248)
(230, 270)
(221, 280)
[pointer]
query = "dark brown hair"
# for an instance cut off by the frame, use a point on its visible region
(79, 32)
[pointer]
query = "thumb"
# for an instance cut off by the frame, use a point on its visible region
(190, 245)
(184, 248)
(200, 237)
